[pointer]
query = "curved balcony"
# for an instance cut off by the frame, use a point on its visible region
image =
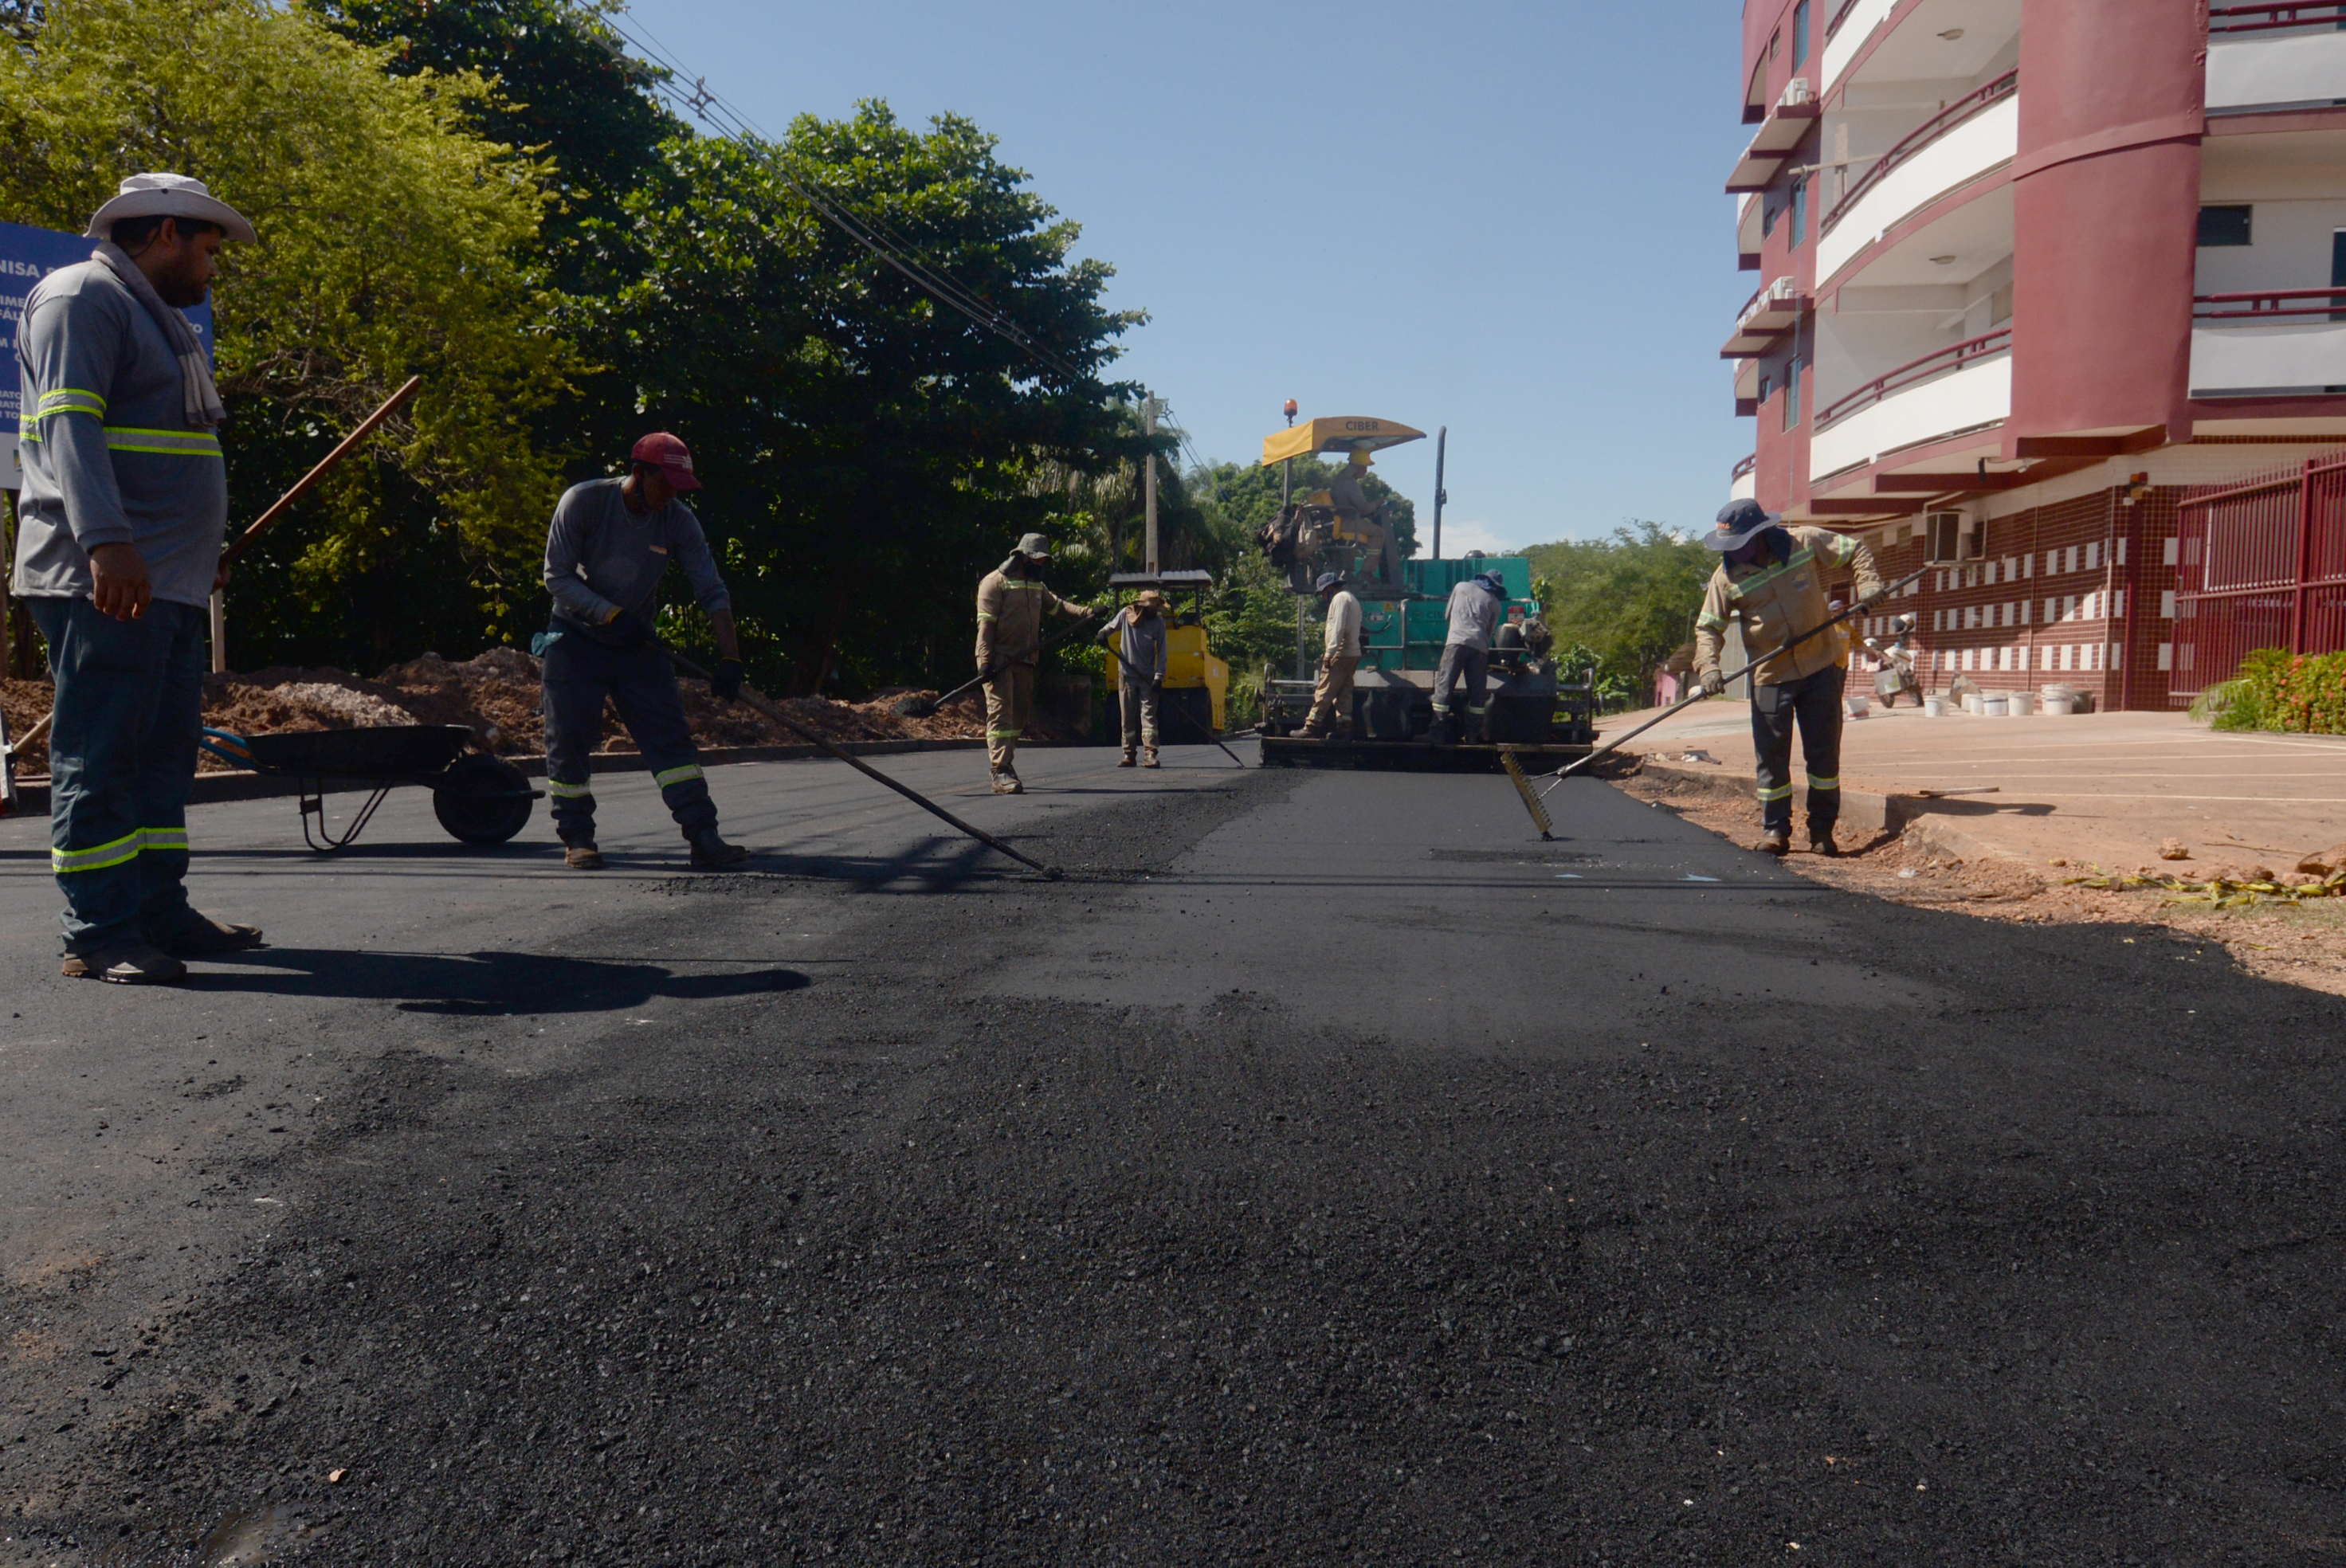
(1961, 387)
(1974, 135)
(2269, 342)
(2275, 57)
(1744, 484)
(1846, 33)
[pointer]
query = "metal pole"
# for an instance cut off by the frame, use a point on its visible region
(1149, 483)
(1440, 450)
(220, 631)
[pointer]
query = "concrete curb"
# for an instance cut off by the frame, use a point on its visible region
(1908, 817)
(211, 789)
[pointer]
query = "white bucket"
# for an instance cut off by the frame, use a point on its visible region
(1997, 706)
(2059, 706)
(1860, 704)
(1934, 706)
(1970, 702)
(2024, 703)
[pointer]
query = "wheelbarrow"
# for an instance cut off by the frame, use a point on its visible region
(479, 799)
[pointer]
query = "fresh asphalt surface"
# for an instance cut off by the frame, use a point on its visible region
(1326, 1171)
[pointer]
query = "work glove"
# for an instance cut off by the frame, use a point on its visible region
(725, 682)
(1712, 683)
(631, 630)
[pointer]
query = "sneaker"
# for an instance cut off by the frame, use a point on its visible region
(126, 963)
(582, 858)
(1128, 760)
(1823, 844)
(1775, 843)
(200, 935)
(711, 853)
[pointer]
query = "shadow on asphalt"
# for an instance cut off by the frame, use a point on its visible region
(482, 985)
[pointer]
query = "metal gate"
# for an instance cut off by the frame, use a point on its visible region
(2259, 564)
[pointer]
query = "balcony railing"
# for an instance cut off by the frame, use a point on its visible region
(2270, 305)
(1839, 17)
(1920, 137)
(2271, 18)
(1930, 367)
(1745, 467)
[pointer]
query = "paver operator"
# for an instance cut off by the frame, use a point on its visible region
(1773, 581)
(1139, 633)
(1010, 604)
(1476, 605)
(611, 541)
(124, 511)
(1331, 696)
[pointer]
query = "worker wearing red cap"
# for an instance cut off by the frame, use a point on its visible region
(610, 542)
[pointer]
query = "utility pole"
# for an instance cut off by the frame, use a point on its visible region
(220, 631)
(1440, 450)
(1286, 466)
(1149, 484)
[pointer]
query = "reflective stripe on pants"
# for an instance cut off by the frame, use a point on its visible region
(1009, 698)
(1811, 704)
(580, 675)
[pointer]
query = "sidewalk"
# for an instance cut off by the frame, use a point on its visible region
(2098, 789)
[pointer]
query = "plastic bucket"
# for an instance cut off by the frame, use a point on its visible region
(1970, 702)
(2024, 703)
(2059, 708)
(1997, 706)
(1933, 707)
(1860, 704)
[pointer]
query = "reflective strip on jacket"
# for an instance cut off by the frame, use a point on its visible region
(1010, 618)
(1778, 600)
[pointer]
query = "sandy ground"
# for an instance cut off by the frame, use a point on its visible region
(2302, 943)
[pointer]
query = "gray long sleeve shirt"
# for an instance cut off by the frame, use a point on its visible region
(601, 558)
(1140, 644)
(1475, 613)
(110, 457)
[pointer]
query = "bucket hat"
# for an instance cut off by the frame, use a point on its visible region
(1737, 521)
(1035, 547)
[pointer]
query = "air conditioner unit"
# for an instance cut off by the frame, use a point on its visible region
(1951, 537)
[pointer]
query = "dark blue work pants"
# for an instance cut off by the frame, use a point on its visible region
(1812, 703)
(122, 756)
(579, 674)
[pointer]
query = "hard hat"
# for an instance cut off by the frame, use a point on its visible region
(1360, 458)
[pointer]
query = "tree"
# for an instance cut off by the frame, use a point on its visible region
(394, 241)
(869, 451)
(1249, 495)
(1630, 599)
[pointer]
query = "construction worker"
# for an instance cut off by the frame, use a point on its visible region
(1331, 696)
(1772, 580)
(1138, 632)
(1011, 603)
(1362, 518)
(120, 524)
(1476, 605)
(611, 541)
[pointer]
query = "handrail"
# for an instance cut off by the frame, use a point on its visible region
(1837, 19)
(2267, 303)
(2277, 17)
(1927, 368)
(1744, 467)
(1920, 137)
(1751, 306)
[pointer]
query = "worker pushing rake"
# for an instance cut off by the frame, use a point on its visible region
(1770, 579)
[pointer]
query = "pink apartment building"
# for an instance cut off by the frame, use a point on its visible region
(2053, 297)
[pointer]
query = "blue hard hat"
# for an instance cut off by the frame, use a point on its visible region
(1327, 581)
(1737, 521)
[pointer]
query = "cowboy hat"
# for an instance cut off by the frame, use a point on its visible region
(168, 196)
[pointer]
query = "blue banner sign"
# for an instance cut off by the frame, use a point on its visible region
(27, 255)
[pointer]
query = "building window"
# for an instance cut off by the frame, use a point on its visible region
(1799, 33)
(1792, 392)
(2224, 225)
(1800, 223)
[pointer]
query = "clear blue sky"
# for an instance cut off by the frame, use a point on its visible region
(1502, 217)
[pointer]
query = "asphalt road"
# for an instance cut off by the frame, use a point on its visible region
(1325, 1171)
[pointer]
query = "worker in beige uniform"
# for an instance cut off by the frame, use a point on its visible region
(1331, 698)
(1010, 604)
(1773, 581)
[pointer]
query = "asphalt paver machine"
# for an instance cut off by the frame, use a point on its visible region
(1543, 715)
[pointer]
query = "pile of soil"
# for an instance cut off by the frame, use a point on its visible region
(496, 696)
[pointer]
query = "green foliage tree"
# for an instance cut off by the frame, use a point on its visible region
(869, 451)
(1629, 600)
(394, 239)
(1248, 495)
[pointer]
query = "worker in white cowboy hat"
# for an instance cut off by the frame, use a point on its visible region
(118, 537)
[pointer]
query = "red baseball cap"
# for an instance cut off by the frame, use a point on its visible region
(671, 456)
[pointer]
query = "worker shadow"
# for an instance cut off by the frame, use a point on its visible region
(474, 984)
(936, 865)
(1915, 806)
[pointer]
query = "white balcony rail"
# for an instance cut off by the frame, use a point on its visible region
(2271, 342)
(1960, 387)
(2253, 64)
(1972, 137)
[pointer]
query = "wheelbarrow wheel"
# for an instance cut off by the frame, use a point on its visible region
(482, 800)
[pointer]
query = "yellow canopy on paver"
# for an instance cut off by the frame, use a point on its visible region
(1341, 432)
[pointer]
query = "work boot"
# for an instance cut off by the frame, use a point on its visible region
(1007, 783)
(127, 962)
(200, 936)
(1775, 841)
(1821, 842)
(582, 857)
(1128, 759)
(1149, 758)
(711, 853)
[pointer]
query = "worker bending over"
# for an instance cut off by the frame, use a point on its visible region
(1011, 603)
(1475, 607)
(1331, 696)
(1137, 631)
(118, 536)
(1773, 581)
(611, 541)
